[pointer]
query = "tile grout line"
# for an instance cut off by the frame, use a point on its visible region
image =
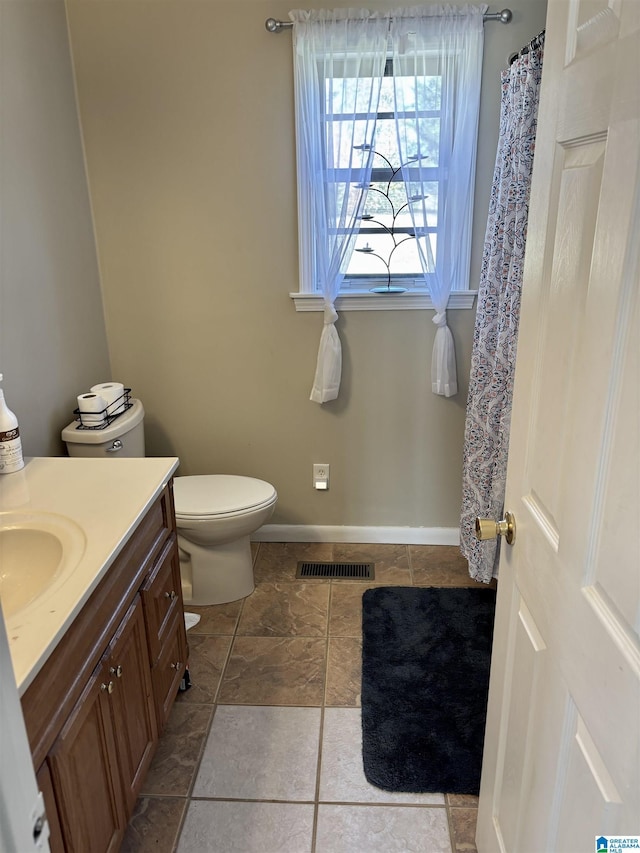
(316, 805)
(410, 564)
(450, 825)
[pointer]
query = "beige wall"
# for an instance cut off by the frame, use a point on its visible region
(187, 115)
(52, 333)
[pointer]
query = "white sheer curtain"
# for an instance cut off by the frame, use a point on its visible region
(437, 67)
(339, 59)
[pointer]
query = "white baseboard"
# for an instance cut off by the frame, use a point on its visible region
(336, 533)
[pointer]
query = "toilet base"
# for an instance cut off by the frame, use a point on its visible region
(216, 574)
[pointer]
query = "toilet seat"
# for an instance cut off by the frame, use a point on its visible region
(220, 495)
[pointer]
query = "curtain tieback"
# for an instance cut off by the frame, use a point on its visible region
(440, 319)
(330, 313)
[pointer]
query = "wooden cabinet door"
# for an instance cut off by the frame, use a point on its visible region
(134, 714)
(164, 614)
(85, 773)
(168, 671)
(162, 598)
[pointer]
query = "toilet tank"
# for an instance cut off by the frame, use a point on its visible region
(123, 437)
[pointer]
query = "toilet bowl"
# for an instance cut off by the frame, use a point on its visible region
(215, 517)
(215, 513)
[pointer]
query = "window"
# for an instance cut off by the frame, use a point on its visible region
(386, 252)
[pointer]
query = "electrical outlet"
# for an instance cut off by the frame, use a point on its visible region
(320, 476)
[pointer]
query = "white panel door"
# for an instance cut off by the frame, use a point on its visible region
(23, 824)
(561, 760)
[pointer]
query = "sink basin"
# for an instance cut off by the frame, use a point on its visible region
(38, 552)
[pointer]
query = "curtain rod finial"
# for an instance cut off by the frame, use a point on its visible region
(273, 26)
(505, 16)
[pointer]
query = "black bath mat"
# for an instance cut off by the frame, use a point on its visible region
(425, 678)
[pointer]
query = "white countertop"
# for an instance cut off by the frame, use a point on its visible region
(106, 498)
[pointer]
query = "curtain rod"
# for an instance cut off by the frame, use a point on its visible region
(504, 17)
(536, 41)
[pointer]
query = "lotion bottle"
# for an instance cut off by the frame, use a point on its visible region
(10, 444)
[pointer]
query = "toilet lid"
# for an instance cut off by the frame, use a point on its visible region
(217, 494)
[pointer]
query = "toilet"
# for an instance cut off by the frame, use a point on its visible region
(215, 516)
(215, 513)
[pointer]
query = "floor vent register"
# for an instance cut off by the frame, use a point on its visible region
(353, 571)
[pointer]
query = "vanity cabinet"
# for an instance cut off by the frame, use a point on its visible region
(95, 710)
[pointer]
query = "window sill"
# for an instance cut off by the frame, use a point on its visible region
(411, 300)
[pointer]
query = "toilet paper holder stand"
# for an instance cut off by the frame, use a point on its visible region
(125, 398)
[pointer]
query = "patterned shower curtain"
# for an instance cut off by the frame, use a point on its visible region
(486, 443)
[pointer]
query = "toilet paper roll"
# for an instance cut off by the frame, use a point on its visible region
(91, 402)
(92, 409)
(113, 393)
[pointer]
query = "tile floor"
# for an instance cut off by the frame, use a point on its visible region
(263, 753)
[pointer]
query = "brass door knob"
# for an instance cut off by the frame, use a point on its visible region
(487, 528)
(170, 595)
(116, 670)
(108, 687)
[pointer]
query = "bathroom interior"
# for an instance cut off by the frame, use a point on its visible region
(149, 235)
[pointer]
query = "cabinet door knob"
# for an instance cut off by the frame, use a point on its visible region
(116, 670)
(108, 687)
(170, 595)
(176, 665)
